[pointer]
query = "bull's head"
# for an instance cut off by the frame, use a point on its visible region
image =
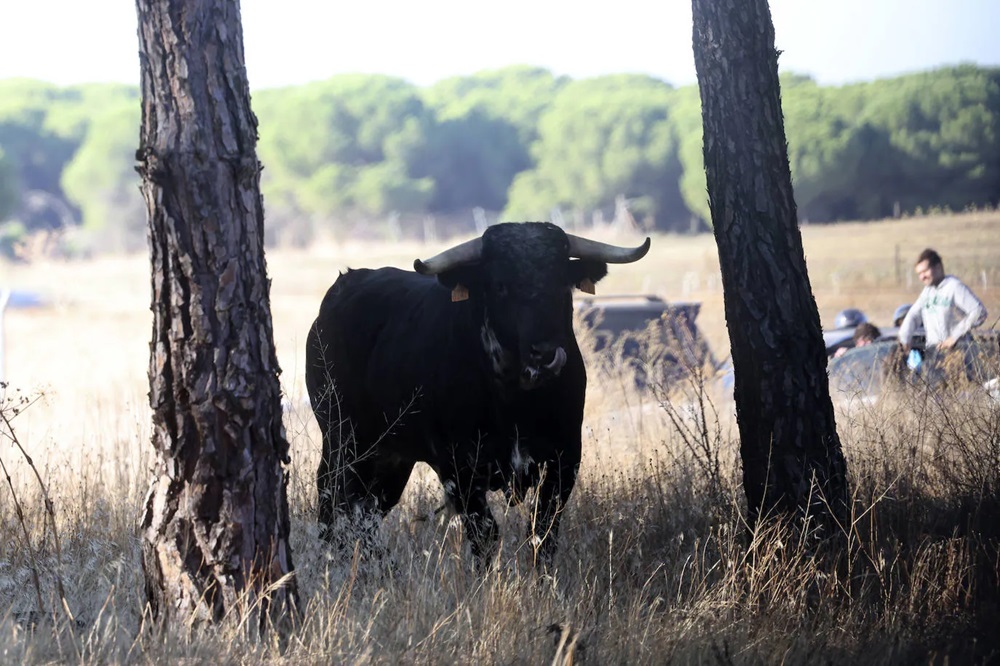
(521, 278)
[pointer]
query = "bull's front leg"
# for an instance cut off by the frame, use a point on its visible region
(468, 499)
(558, 478)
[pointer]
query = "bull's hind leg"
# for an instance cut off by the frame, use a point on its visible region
(356, 492)
(344, 475)
(342, 483)
(335, 483)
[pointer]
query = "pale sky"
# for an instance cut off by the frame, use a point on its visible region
(296, 41)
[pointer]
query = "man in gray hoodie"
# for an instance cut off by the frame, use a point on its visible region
(947, 308)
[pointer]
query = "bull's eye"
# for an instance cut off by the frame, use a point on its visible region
(501, 289)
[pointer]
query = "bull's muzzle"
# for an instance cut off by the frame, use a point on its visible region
(540, 368)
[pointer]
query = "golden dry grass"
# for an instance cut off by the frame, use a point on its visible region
(655, 567)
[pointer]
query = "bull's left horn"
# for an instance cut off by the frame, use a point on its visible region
(468, 252)
(584, 248)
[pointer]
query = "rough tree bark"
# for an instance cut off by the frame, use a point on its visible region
(792, 460)
(215, 527)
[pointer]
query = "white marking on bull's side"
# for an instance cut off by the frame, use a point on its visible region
(492, 347)
(519, 462)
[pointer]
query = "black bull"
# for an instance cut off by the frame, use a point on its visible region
(469, 365)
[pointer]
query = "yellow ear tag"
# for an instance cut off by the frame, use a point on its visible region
(586, 285)
(459, 293)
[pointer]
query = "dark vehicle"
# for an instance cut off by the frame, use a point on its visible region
(847, 322)
(841, 335)
(843, 338)
(471, 365)
(865, 372)
(838, 338)
(648, 335)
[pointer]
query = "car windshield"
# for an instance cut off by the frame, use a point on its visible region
(860, 370)
(863, 370)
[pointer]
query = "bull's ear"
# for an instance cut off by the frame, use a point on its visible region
(461, 281)
(585, 273)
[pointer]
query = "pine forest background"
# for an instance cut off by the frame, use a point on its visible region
(375, 157)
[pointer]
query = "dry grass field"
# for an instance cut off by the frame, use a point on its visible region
(655, 566)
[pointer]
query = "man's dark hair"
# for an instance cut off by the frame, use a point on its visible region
(866, 331)
(930, 256)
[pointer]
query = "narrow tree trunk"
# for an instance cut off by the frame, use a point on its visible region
(788, 438)
(215, 528)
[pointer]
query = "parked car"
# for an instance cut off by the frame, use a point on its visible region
(867, 371)
(847, 321)
(645, 333)
(834, 340)
(840, 338)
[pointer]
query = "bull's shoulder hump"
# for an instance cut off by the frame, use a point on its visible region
(380, 278)
(374, 287)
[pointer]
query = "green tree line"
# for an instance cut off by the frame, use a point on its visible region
(519, 142)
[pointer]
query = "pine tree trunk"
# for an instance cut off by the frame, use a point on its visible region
(788, 438)
(215, 527)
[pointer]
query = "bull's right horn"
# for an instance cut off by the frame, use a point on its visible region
(468, 252)
(584, 248)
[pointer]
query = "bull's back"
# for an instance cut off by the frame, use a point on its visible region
(356, 309)
(352, 313)
(381, 337)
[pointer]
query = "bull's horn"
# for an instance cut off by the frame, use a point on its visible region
(464, 253)
(584, 248)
